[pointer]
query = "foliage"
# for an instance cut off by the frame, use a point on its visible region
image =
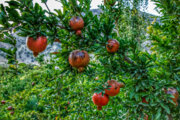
(55, 90)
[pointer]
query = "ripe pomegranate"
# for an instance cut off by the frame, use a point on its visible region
(76, 23)
(100, 100)
(12, 112)
(79, 59)
(111, 2)
(78, 33)
(112, 46)
(37, 45)
(33, 83)
(3, 102)
(114, 89)
(144, 100)
(175, 93)
(10, 108)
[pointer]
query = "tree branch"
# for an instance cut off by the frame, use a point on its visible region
(128, 60)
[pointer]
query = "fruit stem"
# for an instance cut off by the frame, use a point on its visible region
(35, 54)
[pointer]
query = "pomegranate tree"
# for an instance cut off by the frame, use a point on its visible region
(100, 100)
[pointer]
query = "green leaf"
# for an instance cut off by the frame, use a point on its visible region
(13, 14)
(13, 4)
(165, 107)
(44, 1)
(6, 40)
(7, 51)
(158, 114)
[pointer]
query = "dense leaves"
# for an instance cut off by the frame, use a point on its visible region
(55, 89)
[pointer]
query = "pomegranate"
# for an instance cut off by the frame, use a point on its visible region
(79, 59)
(175, 93)
(114, 89)
(144, 100)
(12, 112)
(76, 23)
(100, 100)
(78, 33)
(3, 102)
(10, 108)
(33, 83)
(37, 45)
(112, 46)
(111, 2)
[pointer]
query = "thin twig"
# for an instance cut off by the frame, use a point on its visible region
(128, 60)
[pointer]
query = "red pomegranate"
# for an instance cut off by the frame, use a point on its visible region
(37, 45)
(144, 100)
(3, 102)
(114, 89)
(12, 112)
(100, 100)
(111, 2)
(78, 33)
(79, 59)
(10, 108)
(76, 23)
(112, 46)
(175, 93)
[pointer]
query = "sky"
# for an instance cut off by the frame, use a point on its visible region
(53, 4)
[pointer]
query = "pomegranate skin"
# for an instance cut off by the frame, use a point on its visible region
(9, 108)
(12, 112)
(37, 45)
(112, 46)
(79, 58)
(3, 102)
(114, 89)
(144, 100)
(76, 23)
(175, 93)
(100, 100)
